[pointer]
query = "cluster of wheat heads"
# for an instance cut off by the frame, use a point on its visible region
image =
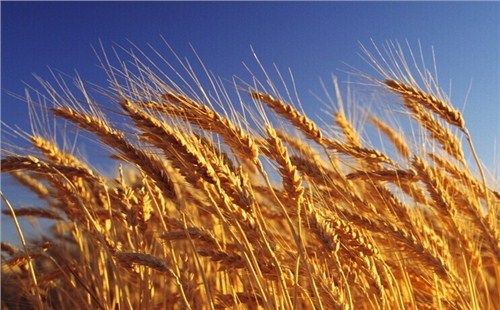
(240, 200)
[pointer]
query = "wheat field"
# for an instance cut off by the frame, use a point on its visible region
(227, 196)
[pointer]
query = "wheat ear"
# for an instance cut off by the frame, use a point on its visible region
(292, 182)
(163, 137)
(393, 136)
(201, 115)
(114, 138)
(440, 107)
(441, 134)
(32, 183)
(9, 248)
(444, 110)
(31, 163)
(311, 130)
(36, 212)
(350, 133)
(287, 111)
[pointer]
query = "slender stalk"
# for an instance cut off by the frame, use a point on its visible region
(25, 247)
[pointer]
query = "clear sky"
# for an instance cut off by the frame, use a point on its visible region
(314, 39)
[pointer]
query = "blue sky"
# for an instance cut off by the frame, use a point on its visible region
(314, 39)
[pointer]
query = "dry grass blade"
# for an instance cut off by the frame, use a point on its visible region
(27, 255)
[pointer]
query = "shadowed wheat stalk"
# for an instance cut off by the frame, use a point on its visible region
(211, 209)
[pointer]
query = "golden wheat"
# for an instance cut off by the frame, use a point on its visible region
(213, 210)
